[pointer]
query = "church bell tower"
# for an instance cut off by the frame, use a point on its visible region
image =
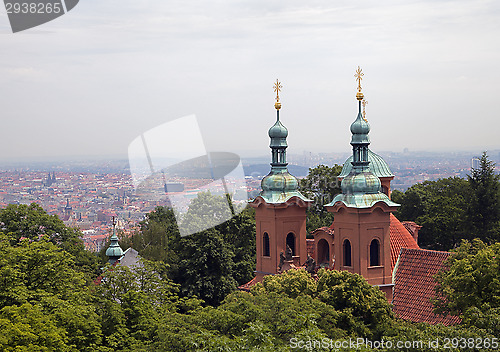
(362, 213)
(280, 209)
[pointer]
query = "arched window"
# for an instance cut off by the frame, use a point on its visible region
(323, 252)
(347, 253)
(374, 253)
(290, 242)
(265, 245)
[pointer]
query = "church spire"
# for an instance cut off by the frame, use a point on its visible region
(114, 251)
(360, 188)
(278, 134)
(360, 129)
(279, 186)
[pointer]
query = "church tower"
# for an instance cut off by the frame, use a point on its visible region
(362, 213)
(280, 209)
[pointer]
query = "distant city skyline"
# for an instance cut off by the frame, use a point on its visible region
(92, 81)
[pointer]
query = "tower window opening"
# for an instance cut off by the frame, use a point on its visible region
(323, 253)
(347, 253)
(265, 245)
(290, 242)
(374, 253)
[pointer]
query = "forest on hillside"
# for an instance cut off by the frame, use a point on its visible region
(56, 296)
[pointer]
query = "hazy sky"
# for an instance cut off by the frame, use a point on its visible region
(90, 82)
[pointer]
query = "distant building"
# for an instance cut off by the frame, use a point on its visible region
(475, 163)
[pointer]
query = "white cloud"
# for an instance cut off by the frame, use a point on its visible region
(115, 68)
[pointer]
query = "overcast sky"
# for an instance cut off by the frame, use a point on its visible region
(91, 81)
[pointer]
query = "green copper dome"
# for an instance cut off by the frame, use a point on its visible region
(378, 166)
(279, 182)
(364, 182)
(279, 186)
(360, 125)
(114, 251)
(278, 130)
(278, 134)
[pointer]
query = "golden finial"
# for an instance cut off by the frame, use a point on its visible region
(359, 77)
(277, 88)
(364, 102)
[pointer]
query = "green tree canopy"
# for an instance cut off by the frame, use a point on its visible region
(452, 209)
(471, 285)
(364, 308)
(32, 222)
(26, 328)
(156, 238)
(473, 278)
(321, 185)
(43, 274)
(439, 207)
(207, 264)
(483, 211)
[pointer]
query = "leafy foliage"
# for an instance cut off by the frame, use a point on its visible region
(206, 267)
(483, 211)
(439, 207)
(364, 308)
(31, 222)
(452, 209)
(47, 302)
(473, 279)
(321, 185)
(156, 238)
(26, 328)
(43, 274)
(208, 264)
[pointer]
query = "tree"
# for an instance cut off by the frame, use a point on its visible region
(206, 211)
(31, 222)
(439, 207)
(483, 211)
(26, 328)
(232, 241)
(131, 302)
(156, 238)
(206, 267)
(238, 234)
(321, 185)
(43, 274)
(364, 308)
(472, 279)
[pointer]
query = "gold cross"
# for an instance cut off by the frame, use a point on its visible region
(364, 102)
(359, 77)
(277, 88)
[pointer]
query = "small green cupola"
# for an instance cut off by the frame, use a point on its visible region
(279, 185)
(360, 188)
(114, 251)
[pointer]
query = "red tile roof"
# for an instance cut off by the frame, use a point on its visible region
(400, 238)
(246, 287)
(414, 286)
